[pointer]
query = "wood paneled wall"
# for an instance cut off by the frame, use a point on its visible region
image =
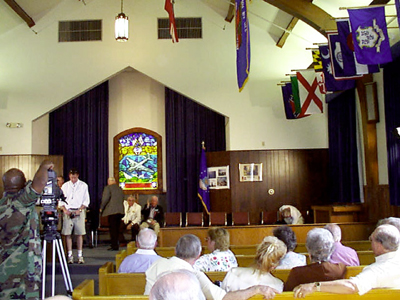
(28, 164)
(298, 177)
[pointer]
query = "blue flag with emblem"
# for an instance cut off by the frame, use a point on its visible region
(203, 190)
(242, 43)
(331, 83)
(370, 37)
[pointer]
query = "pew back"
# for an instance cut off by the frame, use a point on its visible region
(85, 291)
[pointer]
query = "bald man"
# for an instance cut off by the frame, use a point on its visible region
(20, 251)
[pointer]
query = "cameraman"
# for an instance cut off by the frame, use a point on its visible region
(74, 209)
(20, 251)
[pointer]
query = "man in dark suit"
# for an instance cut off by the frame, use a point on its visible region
(113, 207)
(153, 215)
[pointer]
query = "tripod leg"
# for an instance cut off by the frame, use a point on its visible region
(53, 270)
(64, 266)
(44, 269)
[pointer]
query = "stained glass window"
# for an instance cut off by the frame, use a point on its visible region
(138, 167)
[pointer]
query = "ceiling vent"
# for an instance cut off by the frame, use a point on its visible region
(79, 31)
(188, 28)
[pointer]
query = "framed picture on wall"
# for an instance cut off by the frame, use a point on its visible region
(250, 172)
(218, 177)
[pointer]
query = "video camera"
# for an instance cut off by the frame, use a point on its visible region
(49, 201)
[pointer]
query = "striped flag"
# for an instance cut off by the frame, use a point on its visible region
(169, 7)
(203, 190)
(242, 43)
(289, 103)
(319, 71)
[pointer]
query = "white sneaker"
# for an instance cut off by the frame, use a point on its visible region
(70, 259)
(81, 260)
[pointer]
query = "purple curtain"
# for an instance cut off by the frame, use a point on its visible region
(79, 131)
(344, 182)
(187, 125)
(391, 82)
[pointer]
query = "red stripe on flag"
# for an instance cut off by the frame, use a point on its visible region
(133, 185)
(169, 7)
(311, 94)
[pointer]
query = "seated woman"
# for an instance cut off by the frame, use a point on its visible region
(269, 252)
(132, 218)
(220, 257)
(291, 215)
(320, 246)
(291, 259)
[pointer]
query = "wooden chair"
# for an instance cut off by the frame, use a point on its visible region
(217, 219)
(194, 219)
(172, 219)
(268, 217)
(240, 218)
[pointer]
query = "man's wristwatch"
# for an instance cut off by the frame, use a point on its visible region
(318, 286)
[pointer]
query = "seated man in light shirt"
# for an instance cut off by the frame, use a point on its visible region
(143, 258)
(384, 273)
(188, 250)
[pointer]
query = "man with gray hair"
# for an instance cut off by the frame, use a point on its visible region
(384, 273)
(341, 253)
(319, 245)
(188, 250)
(177, 285)
(145, 255)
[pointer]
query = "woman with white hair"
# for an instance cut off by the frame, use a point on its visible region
(320, 246)
(268, 255)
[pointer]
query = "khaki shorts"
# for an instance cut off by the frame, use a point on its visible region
(77, 224)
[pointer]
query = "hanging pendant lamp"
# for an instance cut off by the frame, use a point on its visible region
(121, 25)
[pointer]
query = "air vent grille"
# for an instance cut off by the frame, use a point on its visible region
(79, 31)
(188, 28)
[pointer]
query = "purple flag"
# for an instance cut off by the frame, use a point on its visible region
(242, 43)
(352, 66)
(370, 37)
(331, 83)
(397, 3)
(341, 68)
(203, 191)
(288, 101)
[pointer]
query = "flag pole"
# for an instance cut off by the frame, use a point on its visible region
(200, 180)
(368, 6)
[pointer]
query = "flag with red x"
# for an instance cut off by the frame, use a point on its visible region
(309, 93)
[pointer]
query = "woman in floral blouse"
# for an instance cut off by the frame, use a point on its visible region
(220, 258)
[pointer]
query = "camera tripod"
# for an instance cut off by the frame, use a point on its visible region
(54, 237)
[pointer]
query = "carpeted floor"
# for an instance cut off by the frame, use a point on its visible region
(94, 259)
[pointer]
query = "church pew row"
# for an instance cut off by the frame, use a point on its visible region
(85, 291)
(111, 283)
(366, 258)
(251, 249)
(254, 234)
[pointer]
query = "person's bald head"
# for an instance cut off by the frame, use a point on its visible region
(13, 180)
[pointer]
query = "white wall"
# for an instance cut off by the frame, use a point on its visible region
(39, 74)
(136, 101)
(40, 135)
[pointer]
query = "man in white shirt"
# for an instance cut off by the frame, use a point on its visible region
(188, 250)
(145, 255)
(384, 273)
(74, 209)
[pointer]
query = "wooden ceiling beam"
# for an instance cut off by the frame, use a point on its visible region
(309, 13)
(285, 34)
(20, 12)
(231, 12)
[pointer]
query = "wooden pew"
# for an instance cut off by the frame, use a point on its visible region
(250, 249)
(85, 291)
(111, 283)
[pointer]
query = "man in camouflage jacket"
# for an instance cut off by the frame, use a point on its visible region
(20, 250)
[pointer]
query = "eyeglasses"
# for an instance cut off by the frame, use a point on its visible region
(207, 239)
